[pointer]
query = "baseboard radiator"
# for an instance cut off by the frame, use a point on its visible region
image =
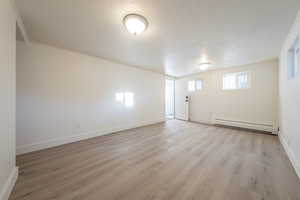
(245, 124)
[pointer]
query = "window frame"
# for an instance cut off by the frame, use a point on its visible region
(194, 85)
(293, 59)
(201, 81)
(237, 85)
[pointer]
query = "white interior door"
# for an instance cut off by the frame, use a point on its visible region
(182, 99)
(169, 99)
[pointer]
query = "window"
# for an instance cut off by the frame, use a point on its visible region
(242, 80)
(126, 98)
(195, 85)
(191, 86)
(294, 59)
(233, 81)
(229, 82)
(198, 84)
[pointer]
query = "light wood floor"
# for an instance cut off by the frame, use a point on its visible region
(175, 160)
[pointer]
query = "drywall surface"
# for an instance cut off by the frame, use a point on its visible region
(7, 95)
(63, 96)
(289, 90)
(257, 104)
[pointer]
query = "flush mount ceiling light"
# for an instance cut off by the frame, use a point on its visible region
(135, 24)
(204, 66)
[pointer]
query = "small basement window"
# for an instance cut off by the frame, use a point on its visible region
(194, 85)
(294, 59)
(199, 84)
(234, 81)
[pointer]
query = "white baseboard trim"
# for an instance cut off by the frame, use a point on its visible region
(245, 124)
(181, 119)
(83, 136)
(290, 154)
(9, 184)
(202, 123)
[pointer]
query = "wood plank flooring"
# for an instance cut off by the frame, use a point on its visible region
(174, 160)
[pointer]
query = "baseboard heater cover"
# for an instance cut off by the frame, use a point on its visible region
(245, 124)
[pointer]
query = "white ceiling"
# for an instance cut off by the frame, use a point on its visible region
(180, 32)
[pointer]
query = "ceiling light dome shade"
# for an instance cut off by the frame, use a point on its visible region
(135, 24)
(204, 66)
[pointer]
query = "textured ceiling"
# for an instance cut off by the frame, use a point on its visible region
(180, 32)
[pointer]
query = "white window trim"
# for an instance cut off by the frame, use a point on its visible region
(236, 80)
(296, 57)
(195, 85)
(293, 61)
(201, 85)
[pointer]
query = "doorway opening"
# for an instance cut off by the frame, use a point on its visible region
(169, 99)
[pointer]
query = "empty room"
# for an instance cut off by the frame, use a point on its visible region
(149, 100)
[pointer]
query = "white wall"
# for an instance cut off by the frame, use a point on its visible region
(7, 98)
(289, 91)
(63, 96)
(201, 105)
(256, 105)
